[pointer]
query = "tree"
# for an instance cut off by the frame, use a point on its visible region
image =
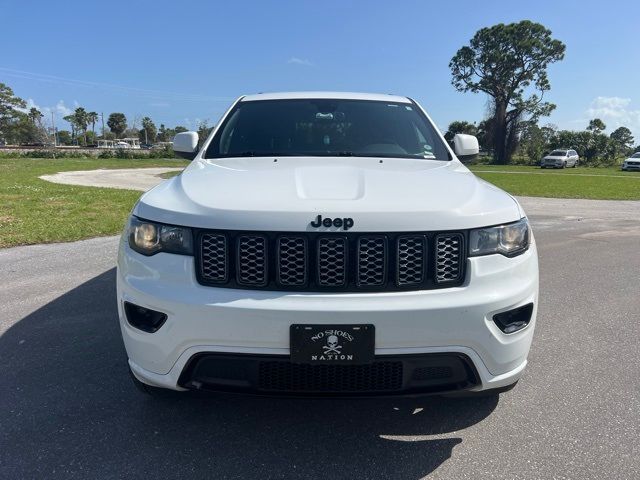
(504, 61)
(533, 141)
(9, 110)
(149, 131)
(71, 119)
(35, 115)
(64, 137)
(82, 121)
(92, 118)
(179, 129)
(485, 135)
(117, 123)
(163, 133)
(622, 138)
(203, 130)
(460, 126)
(596, 126)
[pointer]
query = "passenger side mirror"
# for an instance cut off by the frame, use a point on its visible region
(465, 147)
(185, 145)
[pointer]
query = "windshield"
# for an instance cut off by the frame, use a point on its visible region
(636, 155)
(327, 127)
(558, 153)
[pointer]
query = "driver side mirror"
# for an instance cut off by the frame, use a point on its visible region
(185, 145)
(466, 147)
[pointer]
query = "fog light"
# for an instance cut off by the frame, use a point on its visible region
(144, 319)
(513, 320)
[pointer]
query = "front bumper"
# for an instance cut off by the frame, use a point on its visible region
(206, 320)
(553, 164)
(630, 166)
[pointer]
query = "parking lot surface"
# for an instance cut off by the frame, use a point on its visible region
(69, 410)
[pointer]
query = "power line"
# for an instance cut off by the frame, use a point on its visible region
(144, 92)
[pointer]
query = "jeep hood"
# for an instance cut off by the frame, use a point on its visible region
(286, 194)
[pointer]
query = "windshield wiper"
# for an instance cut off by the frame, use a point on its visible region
(345, 154)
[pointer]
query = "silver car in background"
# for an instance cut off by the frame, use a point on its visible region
(560, 159)
(632, 163)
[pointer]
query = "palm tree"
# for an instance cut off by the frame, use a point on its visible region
(82, 121)
(92, 118)
(72, 121)
(34, 115)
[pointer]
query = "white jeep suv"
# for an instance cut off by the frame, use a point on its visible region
(327, 244)
(561, 159)
(632, 163)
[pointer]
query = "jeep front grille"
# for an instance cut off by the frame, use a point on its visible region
(346, 262)
(214, 257)
(448, 251)
(252, 260)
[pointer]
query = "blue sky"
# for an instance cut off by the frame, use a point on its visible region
(181, 62)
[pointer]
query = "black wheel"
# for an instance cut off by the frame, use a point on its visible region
(542, 166)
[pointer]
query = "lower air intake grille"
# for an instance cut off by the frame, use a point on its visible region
(290, 377)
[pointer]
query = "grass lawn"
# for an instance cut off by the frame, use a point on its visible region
(35, 211)
(581, 182)
(169, 174)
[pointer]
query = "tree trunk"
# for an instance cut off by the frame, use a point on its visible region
(500, 133)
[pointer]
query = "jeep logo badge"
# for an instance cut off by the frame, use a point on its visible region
(345, 223)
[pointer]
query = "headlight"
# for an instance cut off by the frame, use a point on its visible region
(149, 238)
(509, 240)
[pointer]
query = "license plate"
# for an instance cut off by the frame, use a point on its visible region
(332, 344)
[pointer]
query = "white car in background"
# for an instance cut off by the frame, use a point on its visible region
(632, 163)
(560, 159)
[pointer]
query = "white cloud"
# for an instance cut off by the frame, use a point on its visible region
(616, 112)
(61, 109)
(300, 61)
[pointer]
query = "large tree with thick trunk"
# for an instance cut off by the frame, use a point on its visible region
(508, 63)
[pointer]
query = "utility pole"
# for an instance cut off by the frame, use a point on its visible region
(53, 125)
(102, 116)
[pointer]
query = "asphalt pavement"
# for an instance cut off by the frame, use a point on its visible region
(68, 408)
